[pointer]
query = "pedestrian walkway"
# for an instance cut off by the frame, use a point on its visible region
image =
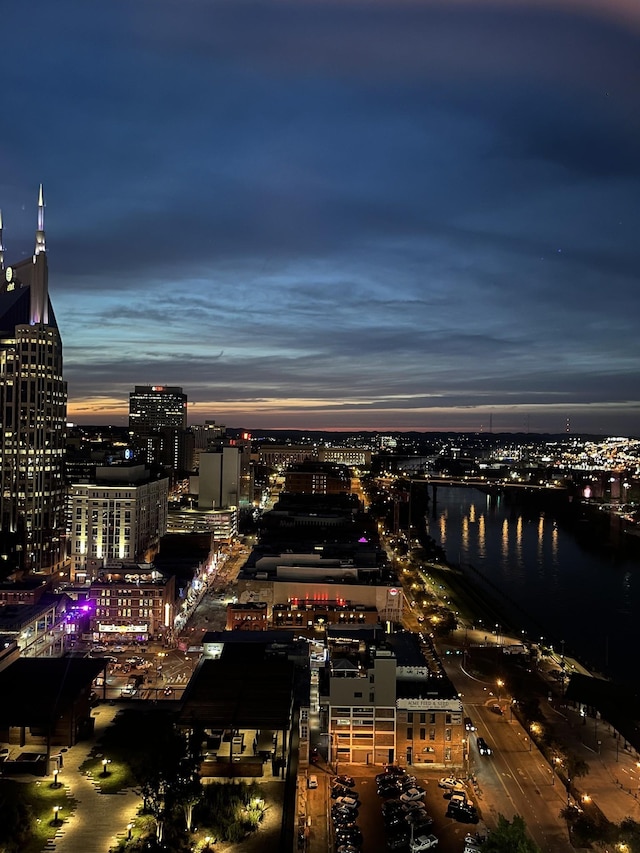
(99, 819)
(613, 781)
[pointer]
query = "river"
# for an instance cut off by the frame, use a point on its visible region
(588, 597)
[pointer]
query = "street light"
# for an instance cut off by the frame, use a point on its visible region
(500, 683)
(105, 761)
(55, 784)
(129, 828)
(56, 819)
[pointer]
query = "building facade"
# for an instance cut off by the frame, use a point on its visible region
(317, 478)
(219, 478)
(158, 426)
(387, 704)
(152, 407)
(33, 407)
(120, 516)
(131, 601)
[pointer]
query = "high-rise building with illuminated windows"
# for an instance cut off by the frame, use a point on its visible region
(33, 408)
(157, 423)
(153, 407)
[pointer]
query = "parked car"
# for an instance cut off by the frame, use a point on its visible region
(413, 806)
(349, 835)
(348, 802)
(340, 791)
(459, 799)
(347, 781)
(394, 824)
(388, 790)
(473, 843)
(341, 814)
(496, 709)
(312, 781)
(393, 807)
(399, 840)
(418, 819)
(464, 814)
(451, 783)
(412, 794)
(423, 842)
(468, 724)
(421, 822)
(483, 746)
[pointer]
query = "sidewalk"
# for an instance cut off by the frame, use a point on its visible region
(613, 781)
(99, 819)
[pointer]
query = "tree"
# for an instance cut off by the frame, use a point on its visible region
(629, 834)
(576, 767)
(153, 798)
(510, 837)
(187, 794)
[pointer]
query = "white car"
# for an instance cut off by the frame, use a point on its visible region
(423, 842)
(412, 794)
(451, 783)
(347, 802)
(459, 799)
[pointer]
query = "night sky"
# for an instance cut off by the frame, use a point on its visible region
(348, 215)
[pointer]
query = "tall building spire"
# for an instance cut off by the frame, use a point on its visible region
(39, 285)
(40, 244)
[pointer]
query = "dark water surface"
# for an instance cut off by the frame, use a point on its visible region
(587, 596)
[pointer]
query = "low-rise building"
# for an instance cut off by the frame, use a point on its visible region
(132, 601)
(291, 579)
(251, 616)
(388, 703)
(34, 617)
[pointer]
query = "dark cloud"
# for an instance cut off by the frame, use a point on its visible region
(383, 214)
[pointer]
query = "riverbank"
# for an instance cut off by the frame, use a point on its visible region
(551, 574)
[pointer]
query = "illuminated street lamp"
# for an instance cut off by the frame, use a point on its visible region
(129, 828)
(55, 783)
(105, 761)
(500, 684)
(56, 815)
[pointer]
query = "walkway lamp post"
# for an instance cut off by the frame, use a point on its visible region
(56, 815)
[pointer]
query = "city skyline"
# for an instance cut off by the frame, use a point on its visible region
(336, 216)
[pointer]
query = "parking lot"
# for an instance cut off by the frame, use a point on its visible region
(450, 832)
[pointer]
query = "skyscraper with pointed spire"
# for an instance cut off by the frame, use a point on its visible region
(33, 408)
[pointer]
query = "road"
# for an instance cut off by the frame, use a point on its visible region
(515, 779)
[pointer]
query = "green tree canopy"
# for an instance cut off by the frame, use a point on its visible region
(510, 837)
